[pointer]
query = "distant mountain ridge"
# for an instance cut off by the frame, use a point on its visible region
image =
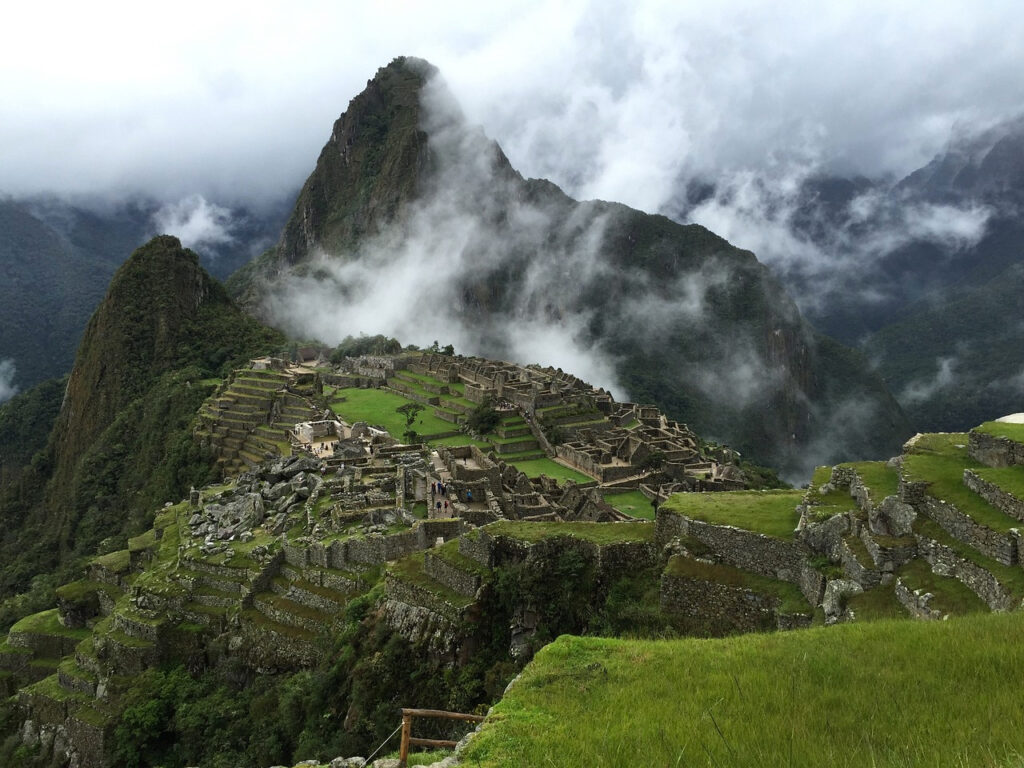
(57, 258)
(685, 319)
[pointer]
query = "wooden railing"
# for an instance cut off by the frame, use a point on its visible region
(408, 740)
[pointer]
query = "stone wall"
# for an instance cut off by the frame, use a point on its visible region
(855, 570)
(458, 580)
(998, 546)
(476, 546)
(994, 495)
(916, 602)
(994, 451)
(717, 607)
(889, 553)
(750, 551)
(945, 562)
(412, 594)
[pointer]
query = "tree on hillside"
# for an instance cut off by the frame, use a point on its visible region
(410, 411)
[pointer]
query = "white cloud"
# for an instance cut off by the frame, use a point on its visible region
(196, 222)
(610, 99)
(7, 386)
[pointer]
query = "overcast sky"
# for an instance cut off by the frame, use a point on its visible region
(611, 100)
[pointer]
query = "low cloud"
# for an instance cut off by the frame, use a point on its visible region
(7, 386)
(828, 248)
(469, 264)
(924, 389)
(198, 223)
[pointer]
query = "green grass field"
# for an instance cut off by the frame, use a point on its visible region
(554, 470)
(632, 503)
(377, 407)
(769, 512)
(886, 693)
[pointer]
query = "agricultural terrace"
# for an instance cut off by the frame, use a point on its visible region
(769, 512)
(1009, 430)
(940, 460)
(850, 695)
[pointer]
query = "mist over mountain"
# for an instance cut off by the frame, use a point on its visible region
(880, 263)
(415, 224)
(58, 255)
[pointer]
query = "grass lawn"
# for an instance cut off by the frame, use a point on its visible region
(878, 603)
(886, 693)
(554, 470)
(1013, 432)
(48, 623)
(599, 533)
(769, 512)
(377, 407)
(941, 460)
(632, 503)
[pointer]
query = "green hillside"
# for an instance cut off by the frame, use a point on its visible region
(883, 694)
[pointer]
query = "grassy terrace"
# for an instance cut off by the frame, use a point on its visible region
(769, 512)
(410, 569)
(599, 533)
(940, 460)
(880, 480)
(791, 599)
(48, 623)
(833, 502)
(632, 503)
(1009, 479)
(1011, 577)
(1013, 432)
(851, 695)
(950, 596)
(551, 468)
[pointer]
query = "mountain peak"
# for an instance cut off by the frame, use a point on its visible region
(369, 167)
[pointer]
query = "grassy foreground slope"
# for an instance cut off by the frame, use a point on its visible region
(887, 693)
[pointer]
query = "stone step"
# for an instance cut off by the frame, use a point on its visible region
(14, 657)
(207, 615)
(85, 657)
(215, 598)
(41, 668)
(462, 578)
(286, 611)
(75, 678)
(129, 655)
(222, 572)
(135, 625)
(285, 644)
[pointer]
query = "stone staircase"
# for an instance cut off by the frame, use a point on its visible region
(248, 420)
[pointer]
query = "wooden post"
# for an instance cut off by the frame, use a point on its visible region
(403, 754)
